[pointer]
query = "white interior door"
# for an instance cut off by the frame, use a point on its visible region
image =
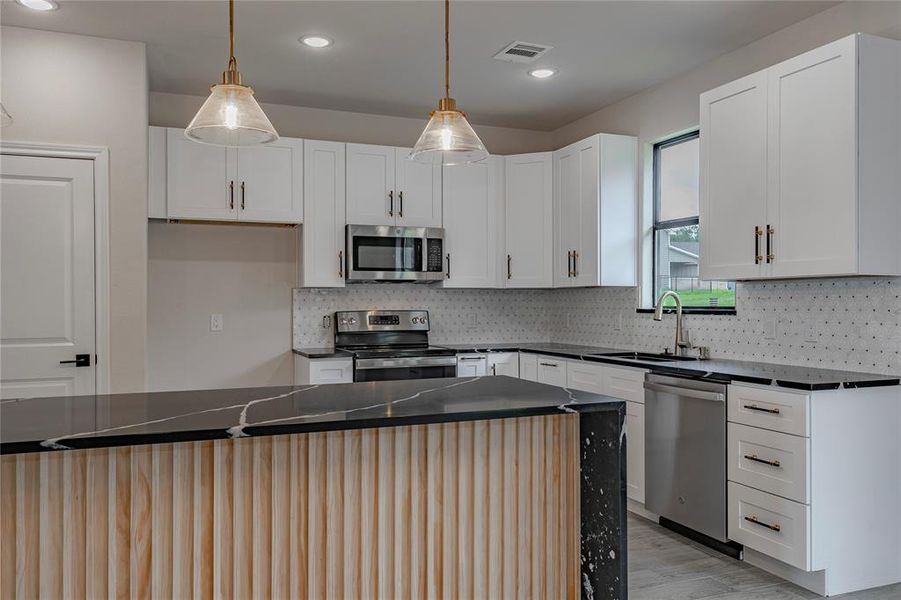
(471, 206)
(529, 221)
(418, 191)
(200, 180)
(370, 185)
(46, 276)
(734, 179)
(271, 182)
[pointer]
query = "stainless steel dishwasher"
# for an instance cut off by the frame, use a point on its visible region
(685, 453)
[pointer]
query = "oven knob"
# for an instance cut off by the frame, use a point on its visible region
(352, 321)
(415, 320)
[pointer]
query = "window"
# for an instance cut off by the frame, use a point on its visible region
(676, 232)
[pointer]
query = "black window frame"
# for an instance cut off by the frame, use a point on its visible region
(658, 225)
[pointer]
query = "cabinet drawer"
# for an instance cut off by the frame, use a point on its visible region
(625, 384)
(771, 525)
(551, 371)
(331, 371)
(774, 462)
(770, 409)
(587, 377)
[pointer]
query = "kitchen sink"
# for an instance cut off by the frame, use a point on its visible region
(644, 356)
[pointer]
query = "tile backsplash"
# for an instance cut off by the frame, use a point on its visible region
(842, 323)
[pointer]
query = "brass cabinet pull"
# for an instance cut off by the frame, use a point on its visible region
(569, 263)
(242, 195)
(770, 257)
(753, 519)
(772, 463)
(772, 411)
(447, 273)
(509, 272)
(494, 369)
(340, 263)
(575, 264)
(231, 195)
(391, 203)
(758, 233)
(400, 197)
(548, 365)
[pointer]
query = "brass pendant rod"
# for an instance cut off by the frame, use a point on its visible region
(232, 63)
(447, 48)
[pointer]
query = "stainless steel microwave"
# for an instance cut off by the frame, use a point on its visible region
(387, 253)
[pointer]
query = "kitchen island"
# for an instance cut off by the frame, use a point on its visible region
(479, 487)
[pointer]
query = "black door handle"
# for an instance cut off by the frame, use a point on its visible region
(81, 360)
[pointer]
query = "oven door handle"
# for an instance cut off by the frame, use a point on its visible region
(364, 364)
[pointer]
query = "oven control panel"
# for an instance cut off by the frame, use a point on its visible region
(381, 320)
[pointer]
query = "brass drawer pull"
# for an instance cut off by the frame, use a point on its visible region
(400, 197)
(447, 273)
(509, 272)
(575, 264)
(548, 365)
(770, 257)
(391, 203)
(340, 263)
(231, 195)
(772, 411)
(753, 519)
(772, 463)
(242, 195)
(569, 263)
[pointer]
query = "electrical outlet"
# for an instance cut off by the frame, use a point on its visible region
(215, 322)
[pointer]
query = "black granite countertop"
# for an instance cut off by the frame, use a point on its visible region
(802, 378)
(324, 352)
(39, 424)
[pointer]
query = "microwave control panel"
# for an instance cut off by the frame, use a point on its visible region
(433, 256)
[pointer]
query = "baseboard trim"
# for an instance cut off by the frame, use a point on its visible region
(638, 508)
(815, 581)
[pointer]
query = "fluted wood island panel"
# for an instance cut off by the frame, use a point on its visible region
(470, 509)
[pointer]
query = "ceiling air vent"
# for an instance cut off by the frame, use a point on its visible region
(522, 52)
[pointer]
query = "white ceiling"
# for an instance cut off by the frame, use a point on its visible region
(388, 55)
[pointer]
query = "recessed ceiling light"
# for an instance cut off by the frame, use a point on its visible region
(43, 5)
(316, 41)
(542, 73)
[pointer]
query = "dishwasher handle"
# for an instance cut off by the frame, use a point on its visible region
(685, 391)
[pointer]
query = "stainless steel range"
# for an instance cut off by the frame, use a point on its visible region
(392, 344)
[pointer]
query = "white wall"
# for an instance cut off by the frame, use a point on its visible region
(176, 110)
(244, 273)
(79, 90)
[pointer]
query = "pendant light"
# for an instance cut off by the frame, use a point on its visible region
(231, 115)
(448, 138)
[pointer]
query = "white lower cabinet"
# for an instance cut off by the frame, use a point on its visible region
(321, 371)
(775, 526)
(528, 366)
(584, 376)
(471, 365)
(503, 363)
(552, 371)
(635, 451)
(770, 461)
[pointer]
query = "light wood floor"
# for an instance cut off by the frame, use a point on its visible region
(667, 566)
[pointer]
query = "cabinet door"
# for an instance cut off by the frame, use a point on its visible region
(370, 185)
(417, 191)
(734, 179)
(617, 240)
(156, 172)
(505, 363)
(529, 221)
(322, 260)
(471, 365)
(552, 371)
(270, 181)
(576, 205)
(200, 180)
(812, 202)
(635, 451)
(472, 203)
(528, 366)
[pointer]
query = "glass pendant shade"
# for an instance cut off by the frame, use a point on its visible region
(448, 139)
(231, 116)
(5, 117)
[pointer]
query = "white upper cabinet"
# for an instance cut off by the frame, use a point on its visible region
(528, 227)
(733, 179)
(418, 191)
(385, 187)
(595, 208)
(322, 261)
(261, 184)
(271, 182)
(200, 182)
(370, 185)
(830, 205)
(473, 199)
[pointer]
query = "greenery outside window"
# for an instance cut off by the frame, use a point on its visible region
(676, 232)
